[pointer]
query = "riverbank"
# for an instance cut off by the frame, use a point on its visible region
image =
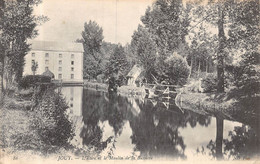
(22, 138)
(218, 105)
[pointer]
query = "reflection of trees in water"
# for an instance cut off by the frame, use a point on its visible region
(243, 143)
(155, 129)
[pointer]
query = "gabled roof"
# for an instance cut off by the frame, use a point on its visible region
(56, 46)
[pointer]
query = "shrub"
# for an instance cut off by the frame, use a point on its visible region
(51, 120)
(174, 70)
(209, 83)
(33, 80)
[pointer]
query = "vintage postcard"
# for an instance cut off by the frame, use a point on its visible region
(133, 81)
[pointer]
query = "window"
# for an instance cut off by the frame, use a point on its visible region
(71, 99)
(46, 68)
(46, 55)
(60, 61)
(60, 55)
(72, 62)
(46, 61)
(60, 76)
(72, 56)
(72, 76)
(33, 61)
(60, 68)
(72, 69)
(33, 54)
(71, 105)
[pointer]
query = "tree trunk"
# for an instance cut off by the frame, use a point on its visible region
(198, 74)
(2, 82)
(220, 55)
(219, 139)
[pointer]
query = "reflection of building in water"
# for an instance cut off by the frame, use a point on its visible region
(73, 97)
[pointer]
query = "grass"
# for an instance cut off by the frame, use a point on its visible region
(19, 136)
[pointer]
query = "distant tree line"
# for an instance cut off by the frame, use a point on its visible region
(178, 40)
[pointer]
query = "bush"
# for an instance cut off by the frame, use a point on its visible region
(32, 80)
(209, 83)
(174, 70)
(51, 120)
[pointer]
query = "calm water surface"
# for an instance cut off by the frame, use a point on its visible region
(123, 126)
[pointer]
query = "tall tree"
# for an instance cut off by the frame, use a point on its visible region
(92, 38)
(167, 20)
(118, 65)
(144, 48)
(17, 24)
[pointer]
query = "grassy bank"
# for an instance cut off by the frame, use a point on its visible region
(31, 131)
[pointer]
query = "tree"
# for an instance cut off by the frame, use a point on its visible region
(92, 38)
(17, 24)
(118, 65)
(174, 70)
(144, 48)
(34, 67)
(167, 20)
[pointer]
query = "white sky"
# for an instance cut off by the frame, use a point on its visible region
(67, 18)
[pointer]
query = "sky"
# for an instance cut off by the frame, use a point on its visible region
(67, 18)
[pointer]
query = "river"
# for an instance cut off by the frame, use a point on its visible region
(124, 126)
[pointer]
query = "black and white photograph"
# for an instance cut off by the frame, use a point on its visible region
(129, 81)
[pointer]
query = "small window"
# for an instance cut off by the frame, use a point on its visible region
(33, 61)
(46, 61)
(46, 55)
(46, 68)
(72, 56)
(60, 68)
(72, 69)
(33, 54)
(72, 76)
(60, 76)
(72, 62)
(60, 61)
(71, 105)
(60, 55)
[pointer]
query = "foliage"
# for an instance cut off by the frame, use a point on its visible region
(167, 20)
(17, 24)
(34, 67)
(243, 143)
(209, 83)
(51, 120)
(144, 48)
(33, 80)
(246, 76)
(118, 65)
(174, 70)
(92, 38)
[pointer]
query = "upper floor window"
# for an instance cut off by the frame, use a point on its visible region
(46, 68)
(60, 55)
(46, 61)
(72, 62)
(33, 61)
(60, 61)
(60, 68)
(72, 56)
(60, 76)
(72, 69)
(33, 54)
(72, 76)
(46, 55)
